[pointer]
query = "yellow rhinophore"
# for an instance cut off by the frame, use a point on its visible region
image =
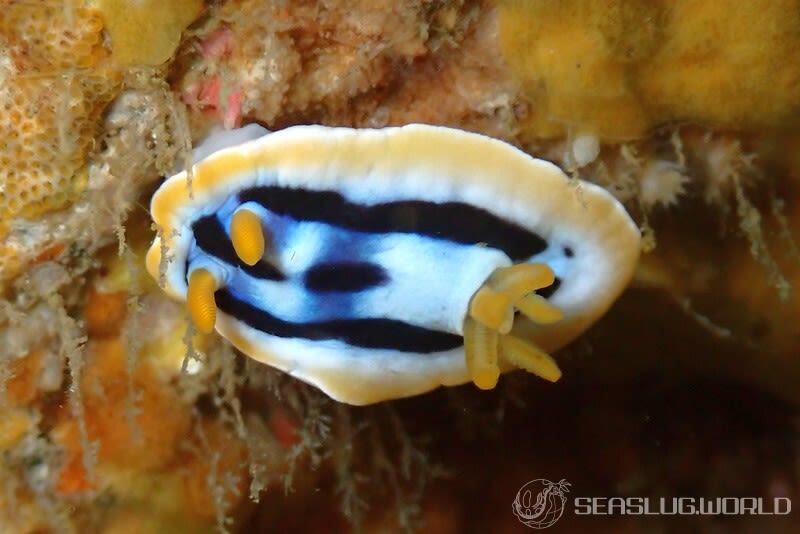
(247, 236)
(200, 299)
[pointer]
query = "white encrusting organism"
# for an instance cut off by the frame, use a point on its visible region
(661, 183)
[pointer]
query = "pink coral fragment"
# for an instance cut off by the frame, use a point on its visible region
(207, 96)
(218, 44)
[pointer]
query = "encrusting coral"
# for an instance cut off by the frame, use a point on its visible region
(58, 78)
(55, 84)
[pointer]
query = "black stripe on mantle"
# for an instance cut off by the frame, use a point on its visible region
(212, 239)
(348, 277)
(453, 221)
(370, 333)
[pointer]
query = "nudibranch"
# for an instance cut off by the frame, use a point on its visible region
(382, 263)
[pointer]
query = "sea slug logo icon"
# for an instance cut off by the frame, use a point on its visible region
(540, 503)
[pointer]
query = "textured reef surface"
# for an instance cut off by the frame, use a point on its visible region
(117, 416)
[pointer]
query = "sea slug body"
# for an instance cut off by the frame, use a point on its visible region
(383, 263)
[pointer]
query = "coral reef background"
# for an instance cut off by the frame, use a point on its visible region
(116, 417)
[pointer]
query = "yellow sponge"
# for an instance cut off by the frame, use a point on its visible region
(616, 68)
(160, 22)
